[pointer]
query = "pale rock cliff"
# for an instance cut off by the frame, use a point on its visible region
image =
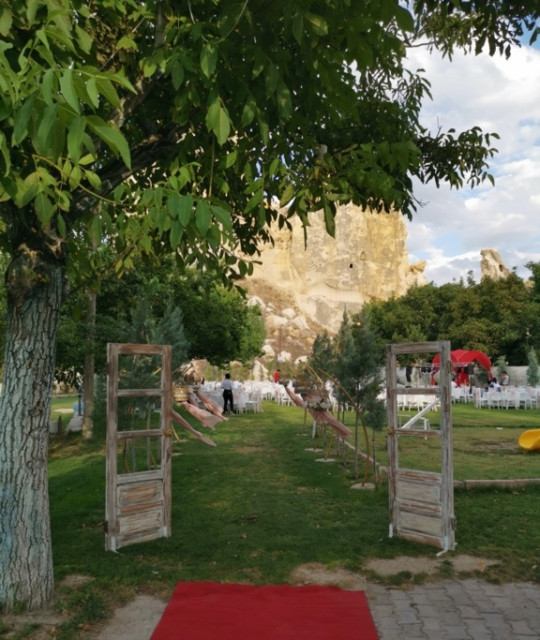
(305, 289)
(492, 266)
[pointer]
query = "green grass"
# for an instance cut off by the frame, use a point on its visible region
(485, 444)
(258, 505)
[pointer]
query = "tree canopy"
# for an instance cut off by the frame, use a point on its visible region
(499, 317)
(215, 321)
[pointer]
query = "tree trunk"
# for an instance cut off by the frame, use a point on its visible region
(89, 369)
(35, 288)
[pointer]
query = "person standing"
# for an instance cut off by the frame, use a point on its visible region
(505, 379)
(276, 376)
(227, 387)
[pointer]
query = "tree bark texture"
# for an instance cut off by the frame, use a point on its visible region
(35, 289)
(89, 370)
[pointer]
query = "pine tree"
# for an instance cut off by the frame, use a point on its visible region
(533, 377)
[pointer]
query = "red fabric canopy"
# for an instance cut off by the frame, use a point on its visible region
(460, 357)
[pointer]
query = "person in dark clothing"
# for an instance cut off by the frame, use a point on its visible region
(408, 374)
(227, 387)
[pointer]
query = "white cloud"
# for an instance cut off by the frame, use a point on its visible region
(500, 96)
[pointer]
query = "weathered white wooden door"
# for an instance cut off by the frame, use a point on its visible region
(139, 444)
(421, 501)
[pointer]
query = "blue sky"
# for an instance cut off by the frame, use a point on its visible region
(500, 96)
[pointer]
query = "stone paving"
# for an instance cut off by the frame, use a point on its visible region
(456, 610)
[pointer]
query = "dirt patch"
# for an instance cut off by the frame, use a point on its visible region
(45, 623)
(247, 449)
(460, 564)
(314, 573)
(363, 485)
(75, 581)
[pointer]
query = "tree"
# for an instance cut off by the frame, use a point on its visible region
(496, 317)
(359, 367)
(132, 127)
(533, 378)
(218, 323)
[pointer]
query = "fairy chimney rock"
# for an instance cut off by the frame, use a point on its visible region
(492, 266)
(312, 285)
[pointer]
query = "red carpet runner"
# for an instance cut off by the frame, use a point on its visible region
(213, 611)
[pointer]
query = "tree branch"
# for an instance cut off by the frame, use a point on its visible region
(150, 151)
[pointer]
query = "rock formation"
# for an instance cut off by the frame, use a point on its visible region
(304, 289)
(492, 266)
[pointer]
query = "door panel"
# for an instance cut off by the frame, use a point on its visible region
(421, 501)
(139, 404)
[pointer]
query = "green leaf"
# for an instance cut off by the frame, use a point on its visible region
(404, 19)
(4, 150)
(31, 9)
(93, 93)
(84, 39)
(174, 204)
(48, 118)
(287, 195)
(44, 208)
(254, 201)
(61, 224)
(149, 67)
(93, 179)
(28, 189)
(297, 27)
(318, 23)
(249, 111)
(47, 90)
(222, 216)
(95, 230)
(6, 20)
(107, 90)
(284, 100)
(176, 233)
(230, 159)
(214, 237)
(146, 243)
(271, 78)
(177, 73)
(186, 210)
(120, 78)
(126, 43)
(217, 120)
(209, 56)
(67, 87)
(112, 137)
(22, 117)
(329, 220)
(203, 217)
(75, 138)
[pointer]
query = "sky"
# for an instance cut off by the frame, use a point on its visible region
(499, 95)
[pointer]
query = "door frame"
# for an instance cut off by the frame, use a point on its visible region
(421, 503)
(138, 503)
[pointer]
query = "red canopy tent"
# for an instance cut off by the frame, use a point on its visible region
(461, 358)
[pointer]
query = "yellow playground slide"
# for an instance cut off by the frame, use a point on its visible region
(530, 440)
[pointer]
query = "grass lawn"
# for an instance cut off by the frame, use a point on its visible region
(259, 504)
(485, 444)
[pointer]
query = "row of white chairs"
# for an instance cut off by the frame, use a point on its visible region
(513, 398)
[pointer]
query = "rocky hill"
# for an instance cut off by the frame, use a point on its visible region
(304, 289)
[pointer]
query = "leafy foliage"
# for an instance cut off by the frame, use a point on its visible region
(533, 376)
(189, 310)
(497, 317)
